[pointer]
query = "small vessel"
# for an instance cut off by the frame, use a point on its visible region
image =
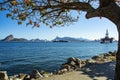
(60, 41)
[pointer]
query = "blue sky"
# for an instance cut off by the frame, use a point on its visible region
(93, 28)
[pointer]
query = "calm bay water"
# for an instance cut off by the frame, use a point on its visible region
(20, 57)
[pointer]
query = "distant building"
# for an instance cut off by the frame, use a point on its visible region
(106, 39)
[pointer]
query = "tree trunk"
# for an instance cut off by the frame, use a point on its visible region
(110, 10)
(117, 69)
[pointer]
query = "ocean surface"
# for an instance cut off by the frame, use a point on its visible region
(23, 57)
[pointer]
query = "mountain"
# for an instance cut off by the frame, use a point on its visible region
(8, 38)
(11, 38)
(19, 40)
(70, 39)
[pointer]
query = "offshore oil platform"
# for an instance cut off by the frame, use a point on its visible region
(106, 39)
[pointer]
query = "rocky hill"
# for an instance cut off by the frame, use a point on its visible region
(10, 38)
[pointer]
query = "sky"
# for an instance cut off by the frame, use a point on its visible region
(94, 28)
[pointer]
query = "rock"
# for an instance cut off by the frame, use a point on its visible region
(71, 59)
(78, 62)
(72, 63)
(3, 75)
(13, 77)
(17, 79)
(35, 74)
(107, 54)
(42, 72)
(62, 71)
(27, 77)
(47, 74)
(110, 52)
(22, 76)
(113, 53)
(68, 67)
(95, 57)
(83, 62)
(89, 61)
(8, 38)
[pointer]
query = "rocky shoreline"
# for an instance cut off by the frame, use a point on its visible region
(72, 64)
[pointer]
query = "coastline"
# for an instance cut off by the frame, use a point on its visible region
(99, 67)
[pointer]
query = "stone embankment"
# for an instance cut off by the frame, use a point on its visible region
(71, 64)
(77, 64)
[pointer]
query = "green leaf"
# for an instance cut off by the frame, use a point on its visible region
(46, 24)
(8, 15)
(19, 22)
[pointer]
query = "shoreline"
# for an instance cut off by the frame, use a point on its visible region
(71, 66)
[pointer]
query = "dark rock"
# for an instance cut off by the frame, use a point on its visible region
(95, 57)
(113, 53)
(27, 77)
(3, 75)
(110, 52)
(42, 72)
(71, 59)
(35, 74)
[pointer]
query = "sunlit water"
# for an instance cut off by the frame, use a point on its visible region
(19, 57)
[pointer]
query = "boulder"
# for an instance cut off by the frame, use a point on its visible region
(62, 71)
(22, 76)
(47, 74)
(42, 72)
(35, 74)
(72, 63)
(71, 59)
(27, 77)
(17, 79)
(108, 54)
(89, 61)
(96, 57)
(78, 62)
(3, 75)
(67, 66)
(113, 53)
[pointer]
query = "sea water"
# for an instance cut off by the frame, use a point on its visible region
(23, 57)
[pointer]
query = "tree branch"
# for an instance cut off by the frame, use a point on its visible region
(73, 5)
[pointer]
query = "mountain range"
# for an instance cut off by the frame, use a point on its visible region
(10, 38)
(70, 39)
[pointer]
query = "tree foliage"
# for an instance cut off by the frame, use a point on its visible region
(49, 12)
